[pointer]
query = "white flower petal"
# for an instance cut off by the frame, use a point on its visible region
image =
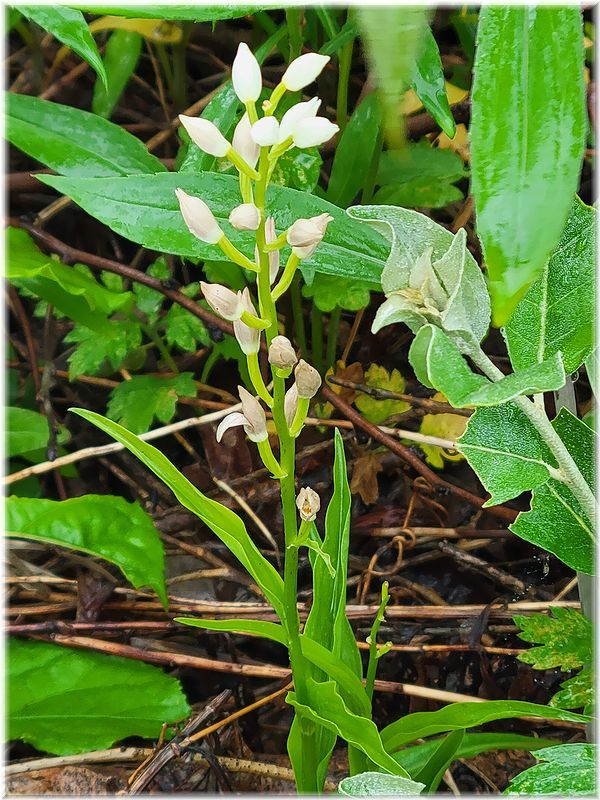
(245, 75)
(230, 421)
(265, 131)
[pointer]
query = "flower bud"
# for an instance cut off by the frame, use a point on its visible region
(254, 414)
(243, 143)
(248, 338)
(223, 301)
(308, 504)
(245, 75)
(303, 70)
(265, 132)
(290, 404)
(308, 380)
(281, 353)
(313, 132)
(199, 218)
(206, 135)
(308, 232)
(245, 217)
(295, 114)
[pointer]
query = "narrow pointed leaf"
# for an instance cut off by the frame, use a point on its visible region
(253, 627)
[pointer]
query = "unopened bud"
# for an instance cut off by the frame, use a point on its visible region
(243, 143)
(222, 300)
(248, 338)
(245, 217)
(303, 70)
(295, 115)
(308, 380)
(281, 353)
(290, 404)
(313, 132)
(199, 218)
(308, 504)
(245, 75)
(206, 135)
(308, 232)
(265, 132)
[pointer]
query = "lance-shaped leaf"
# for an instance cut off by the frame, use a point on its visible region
(438, 363)
(68, 701)
(557, 313)
(528, 67)
(144, 209)
(417, 282)
(222, 521)
(174, 11)
(565, 770)
(253, 627)
(102, 525)
(430, 85)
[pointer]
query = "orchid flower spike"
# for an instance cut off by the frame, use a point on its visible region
(223, 301)
(199, 218)
(245, 217)
(248, 338)
(252, 419)
(308, 504)
(245, 75)
(206, 135)
(313, 131)
(303, 70)
(243, 142)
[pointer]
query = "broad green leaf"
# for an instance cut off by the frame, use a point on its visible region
(506, 451)
(393, 38)
(379, 784)
(329, 291)
(438, 362)
(25, 431)
(418, 193)
(591, 366)
(420, 160)
(67, 701)
(466, 302)
(120, 60)
(193, 13)
(458, 716)
(566, 770)
(557, 313)
(145, 210)
(577, 692)
(222, 521)
(430, 85)
(528, 67)
(104, 526)
(564, 639)
(299, 169)
(556, 521)
(354, 152)
(74, 142)
(374, 409)
(183, 329)
(117, 339)
(253, 627)
(328, 709)
(432, 771)
(135, 403)
(70, 28)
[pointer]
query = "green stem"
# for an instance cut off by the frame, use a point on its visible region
(297, 314)
(286, 276)
(257, 379)
(269, 460)
(316, 337)
(179, 69)
(372, 641)
(571, 474)
(293, 16)
(299, 416)
(332, 335)
(344, 66)
(371, 177)
(150, 331)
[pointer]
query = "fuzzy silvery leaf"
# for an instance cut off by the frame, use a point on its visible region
(432, 272)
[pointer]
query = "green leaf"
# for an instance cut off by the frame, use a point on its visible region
(102, 525)
(437, 362)
(565, 639)
(253, 627)
(222, 521)
(145, 210)
(556, 521)
(444, 754)
(329, 291)
(329, 710)
(135, 403)
(465, 715)
(430, 85)
(74, 142)
(25, 431)
(567, 770)
(420, 160)
(193, 13)
(118, 338)
(148, 300)
(375, 410)
(67, 701)
(528, 67)
(354, 152)
(577, 692)
(466, 312)
(418, 193)
(379, 784)
(70, 28)
(506, 451)
(298, 169)
(557, 313)
(120, 60)
(183, 329)
(393, 38)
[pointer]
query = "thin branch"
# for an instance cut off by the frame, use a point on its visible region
(431, 406)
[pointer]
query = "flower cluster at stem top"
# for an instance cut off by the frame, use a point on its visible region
(256, 146)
